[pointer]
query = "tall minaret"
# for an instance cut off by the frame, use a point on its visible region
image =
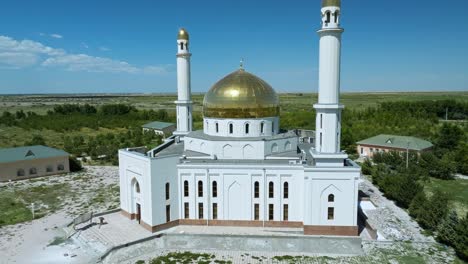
(328, 108)
(184, 103)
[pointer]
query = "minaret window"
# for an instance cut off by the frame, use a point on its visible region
(217, 127)
(181, 46)
(262, 127)
(321, 120)
(328, 17)
(231, 128)
(273, 127)
(200, 189)
(215, 189)
(247, 128)
(336, 16)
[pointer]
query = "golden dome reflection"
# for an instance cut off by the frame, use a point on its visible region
(241, 95)
(183, 34)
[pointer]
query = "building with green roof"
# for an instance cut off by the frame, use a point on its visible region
(386, 143)
(160, 128)
(32, 161)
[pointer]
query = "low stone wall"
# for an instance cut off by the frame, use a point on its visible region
(307, 245)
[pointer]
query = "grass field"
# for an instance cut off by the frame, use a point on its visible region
(290, 102)
(456, 189)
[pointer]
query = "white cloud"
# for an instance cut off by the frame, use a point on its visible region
(16, 54)
(57, 36)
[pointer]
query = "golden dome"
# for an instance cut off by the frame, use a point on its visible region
(183, 34)
(326, 3)
(241, 95)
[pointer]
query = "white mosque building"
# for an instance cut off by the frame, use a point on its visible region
(242, 169)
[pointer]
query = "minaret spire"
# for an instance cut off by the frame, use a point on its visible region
(183, 103)
(328, 108)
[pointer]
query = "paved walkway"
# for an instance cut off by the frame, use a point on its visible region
(117, 230)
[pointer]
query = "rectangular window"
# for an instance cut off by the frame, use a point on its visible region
(168, 213)
(321, 120)
(320, 139)
(271, 213)
(362, 150)
(215, 211)
(285, 212)
(200, 210)
(256, 190)
(186, 211)
(331, 213)
(256, 211)
(167, 191)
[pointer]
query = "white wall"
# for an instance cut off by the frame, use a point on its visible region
(236, 191)
(271, 127)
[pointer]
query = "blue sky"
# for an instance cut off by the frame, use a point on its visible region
(129, 46)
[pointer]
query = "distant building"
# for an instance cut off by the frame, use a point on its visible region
(32, 161)
(385, 143)
(160, 128)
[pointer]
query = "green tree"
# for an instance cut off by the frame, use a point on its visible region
(36, 140)
(434, 211)
(75, 165)
(461, 243)
(416, 207)
(446, 231)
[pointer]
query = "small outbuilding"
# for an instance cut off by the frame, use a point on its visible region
(32, 161)
(160, 128)
(386, 143)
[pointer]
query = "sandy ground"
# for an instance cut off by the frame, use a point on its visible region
(28, 242)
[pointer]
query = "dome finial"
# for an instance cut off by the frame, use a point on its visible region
(183, 34)
(241, 66)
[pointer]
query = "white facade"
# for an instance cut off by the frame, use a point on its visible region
(246, 171)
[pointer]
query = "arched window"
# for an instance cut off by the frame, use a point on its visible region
(60, 167)
(262, 127)
(137, 187)
(287, 146)
(186, 189)
(49, 168)
(217, 127)
(200, 189)
(331, 198)
(271, 190)
(328, 17)
(274, 148)
(247, 128)
(214, 188)
(231, 128)
(286, 190)
(32, 171)
(336, 16)
(256, 189)
(182, 46)
(20, 172)
(167, 191)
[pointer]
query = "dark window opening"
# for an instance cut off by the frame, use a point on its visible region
(168, 213)
(137, 187)
(285, 212)
(200, 210)
(215, 211)
(331, 213)
(262, 127)
(286, 190)
(200, 189)
(246, 128)
(167, 191)
(256, 211)
(20, 172)
(182, 46)
(331, 198)
(186, 210)
(256, 190)
(270, 212)
(215, 189)
(217, 128)
(270, 190)
(186, 189)
(328, 17)
(231, 128)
